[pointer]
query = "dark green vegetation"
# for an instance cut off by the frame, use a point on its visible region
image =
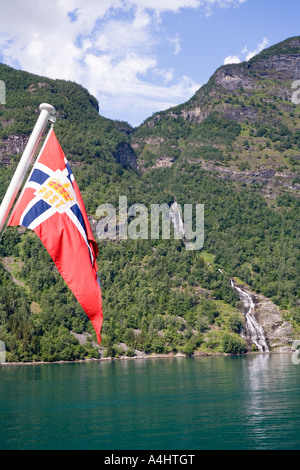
(157, 296)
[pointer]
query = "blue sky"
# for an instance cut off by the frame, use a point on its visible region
(139, 56)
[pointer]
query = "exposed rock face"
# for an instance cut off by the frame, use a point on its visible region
(126, 155)
(233, 77)
(195, 115)
(241, 114)
(286, 66)
(162, 162)
(13, 145)
(268, 178)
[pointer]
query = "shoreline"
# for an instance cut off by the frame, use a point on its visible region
(143, 357)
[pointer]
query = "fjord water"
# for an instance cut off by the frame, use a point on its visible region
(248, 402)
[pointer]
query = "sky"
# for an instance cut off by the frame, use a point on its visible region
(138, 57)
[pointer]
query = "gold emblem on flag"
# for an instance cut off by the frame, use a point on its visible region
(56, 193)
(61, 189)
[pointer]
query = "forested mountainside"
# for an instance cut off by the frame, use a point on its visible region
(234, 147)
(241, 125)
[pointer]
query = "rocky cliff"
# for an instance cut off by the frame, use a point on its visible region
(278, 329)
(243, 123)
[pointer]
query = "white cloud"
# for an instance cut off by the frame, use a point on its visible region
(209, 5)
(176, 42)
(245, 55)
(232, 59)
(164, 5)
(109, 46)
(167, 75)
(261, 46)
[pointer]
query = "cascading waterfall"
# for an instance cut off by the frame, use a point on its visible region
(176, 218)
(254, 331)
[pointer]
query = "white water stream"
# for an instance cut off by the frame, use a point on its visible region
(176, 218)
(254, 331)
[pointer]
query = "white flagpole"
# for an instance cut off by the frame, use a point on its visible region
(47, 114)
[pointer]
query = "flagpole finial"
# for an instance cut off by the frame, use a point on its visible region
(48, 107)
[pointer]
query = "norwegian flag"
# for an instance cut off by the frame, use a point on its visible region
(51, 205)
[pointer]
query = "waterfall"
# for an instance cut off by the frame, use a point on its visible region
(254, 331)
(176, 218)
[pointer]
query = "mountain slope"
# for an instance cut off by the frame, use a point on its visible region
(234, 143)
(241, 125)
(96, 145)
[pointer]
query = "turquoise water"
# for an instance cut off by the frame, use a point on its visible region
(249, 402)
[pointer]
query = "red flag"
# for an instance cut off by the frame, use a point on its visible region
(51, 205)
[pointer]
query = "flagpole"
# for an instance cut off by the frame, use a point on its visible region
(47, 114)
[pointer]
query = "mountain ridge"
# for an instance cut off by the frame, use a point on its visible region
(232, 148)
(247, 100)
